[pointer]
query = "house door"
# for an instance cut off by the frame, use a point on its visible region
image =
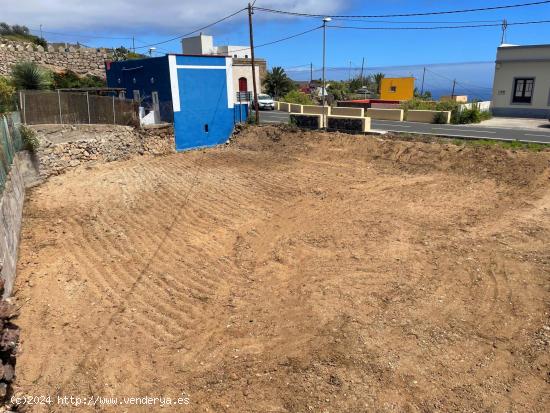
(243, 84)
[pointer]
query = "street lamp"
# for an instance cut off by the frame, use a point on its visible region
(324, 90)
(152, 50)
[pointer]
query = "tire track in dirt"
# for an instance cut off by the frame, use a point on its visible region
(287, 276)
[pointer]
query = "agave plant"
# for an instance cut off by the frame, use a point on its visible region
(30, 76)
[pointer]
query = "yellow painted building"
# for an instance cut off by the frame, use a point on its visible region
(397, 88)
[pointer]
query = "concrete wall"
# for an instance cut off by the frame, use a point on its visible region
(458, 99)
(426, 116)
(316, 110)
(83, 61)
(342, 111)
(385, 114)
(348, 123)
(284, 107)
(295, 108)
(522, 62)
(11, 212)
(307, 121)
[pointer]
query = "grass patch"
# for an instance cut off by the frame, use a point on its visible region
(535, 147)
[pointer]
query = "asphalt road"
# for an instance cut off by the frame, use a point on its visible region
(458, 131)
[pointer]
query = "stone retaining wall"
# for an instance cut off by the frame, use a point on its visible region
(83, 61)
(11, 212)
(64, 147)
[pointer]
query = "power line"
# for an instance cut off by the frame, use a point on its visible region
(194, 31)
(469, 26)
(455, 81)
(289, 37)
(432, 13)
(418, 21)
(276, 41)
(80, 35)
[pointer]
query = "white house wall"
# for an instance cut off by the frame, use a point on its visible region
(245, 71)
(522, 62)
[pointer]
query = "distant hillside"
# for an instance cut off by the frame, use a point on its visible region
(21, 33)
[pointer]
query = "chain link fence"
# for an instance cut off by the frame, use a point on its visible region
(40, 107)
(10, 143)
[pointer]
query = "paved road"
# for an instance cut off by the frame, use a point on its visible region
(459, 131)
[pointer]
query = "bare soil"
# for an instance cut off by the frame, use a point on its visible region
(293, 272)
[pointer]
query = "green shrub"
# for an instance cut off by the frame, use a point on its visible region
(30, 140)
(30, 76)
(295, 96)
(70, 80)
(418, 104)
(440, 118)
(472, 115)
(21, 33)
(7, 93)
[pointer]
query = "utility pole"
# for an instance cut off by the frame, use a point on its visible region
(41, 35)
(453, 92)
(253, 62)
(362, 68)
(310, 74)
(349, 74)
(133, 44)
(423, 76)
(324, 91)
(504, 27)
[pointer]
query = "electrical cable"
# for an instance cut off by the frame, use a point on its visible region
(470, 26)
(433, 13)
(194, 31)
(275, 41)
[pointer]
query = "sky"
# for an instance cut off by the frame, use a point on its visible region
(466, 55)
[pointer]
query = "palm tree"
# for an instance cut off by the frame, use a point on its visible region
(277, 83)
(378, 80)
(29, 76)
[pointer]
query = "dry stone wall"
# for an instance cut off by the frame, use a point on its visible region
(81, 60)
(66, 147)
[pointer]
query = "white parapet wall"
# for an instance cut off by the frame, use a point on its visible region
(428, 116)
(386, 114)
(307, 120)
(348, 123)
(316, 110)
(284, 107)
(343, 111)
(296, 108)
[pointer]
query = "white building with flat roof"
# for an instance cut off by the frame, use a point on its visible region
(522, 81)
(204, 44)
(242, 68)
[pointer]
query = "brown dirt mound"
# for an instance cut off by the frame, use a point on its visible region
(293, 272)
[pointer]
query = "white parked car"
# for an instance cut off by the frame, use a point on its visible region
(266, 102)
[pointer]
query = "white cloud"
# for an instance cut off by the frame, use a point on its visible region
(161, 17)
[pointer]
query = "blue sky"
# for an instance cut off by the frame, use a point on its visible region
(448, 53)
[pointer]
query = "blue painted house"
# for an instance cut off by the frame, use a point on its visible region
(194, 92)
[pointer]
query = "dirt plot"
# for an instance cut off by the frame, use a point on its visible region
(293, 272)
